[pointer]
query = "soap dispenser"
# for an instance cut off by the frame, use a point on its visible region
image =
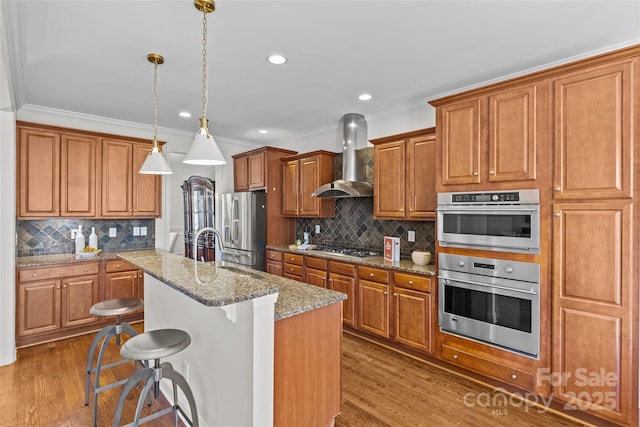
(79, 240)
(93, 238)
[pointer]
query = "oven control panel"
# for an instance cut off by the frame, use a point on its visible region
(485, 197)
(518, 197)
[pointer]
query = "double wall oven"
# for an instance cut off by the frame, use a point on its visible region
(492, 300)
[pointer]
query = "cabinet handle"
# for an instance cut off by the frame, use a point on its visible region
(370, 274)
(410, 209)
(64, 286)
(475, 173)
(385, 293)
(117, 265)
(492, 172)
(58, 287)
(331, 280)
(556, 214)
(35, 274)
(86, 269)
(514, 377)
(411, 282)
(401, 209)
(395, 294)
(557, 188)
(455, 356)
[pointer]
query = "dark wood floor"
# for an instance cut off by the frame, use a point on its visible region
(45, 387)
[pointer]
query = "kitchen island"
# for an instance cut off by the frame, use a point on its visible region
(264, 350)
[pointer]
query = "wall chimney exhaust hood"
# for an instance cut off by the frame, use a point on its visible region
(354, 144)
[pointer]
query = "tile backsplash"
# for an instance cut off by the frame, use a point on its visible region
(52, 235)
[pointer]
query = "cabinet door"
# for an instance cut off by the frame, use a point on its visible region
(290, 188)
(512, 134)
(593, 138)
(146, 188)
(316, 277)
(461, 136)
(389, 183)
(256, 173)
(274, 267)
(594, 305)
(374, 308)
(346, 285)
(78, 295)
(38, 307)
(39, 173)
(78, 172)
(122, 285)
(421, 177)
(116, 178)
(309, 177)
(240, 174)
(412, 319)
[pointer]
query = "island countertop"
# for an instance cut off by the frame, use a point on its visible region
(220, 283)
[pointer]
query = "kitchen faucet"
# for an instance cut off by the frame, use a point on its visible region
(197, 235)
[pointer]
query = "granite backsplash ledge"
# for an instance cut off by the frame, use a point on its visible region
(51, 236)
(354, 226)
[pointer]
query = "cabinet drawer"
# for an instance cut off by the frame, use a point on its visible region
(80, 269)
(342, 268)
(293, 259)
(317, 263)
(292, 269)
(119, 265)
(504, 373)
(373, 274)
(411, 281)
(274, 255)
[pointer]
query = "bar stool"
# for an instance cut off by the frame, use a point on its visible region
(113, 307)
(154, 345)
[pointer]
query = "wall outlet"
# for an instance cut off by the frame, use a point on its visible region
(317, 228)
(143, 231)
(136, 231)
(411, 236)
(74, 233)
(113, 232)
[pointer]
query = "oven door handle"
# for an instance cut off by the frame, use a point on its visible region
(469, 282)
(483, 209)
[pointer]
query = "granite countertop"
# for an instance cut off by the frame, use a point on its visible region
(405, 264)
(44, 260)
(220, 283)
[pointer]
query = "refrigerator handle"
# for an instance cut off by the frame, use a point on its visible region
(235, 220)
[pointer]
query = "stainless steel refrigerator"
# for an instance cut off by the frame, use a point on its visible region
(199, 212)
(241, 220)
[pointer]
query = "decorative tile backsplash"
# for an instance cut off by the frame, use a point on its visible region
(53, 236)
(354, 226)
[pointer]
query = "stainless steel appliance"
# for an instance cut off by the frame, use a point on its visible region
(507, 221)
(490, 300)
(199, 212)
(241, 221)
(347, 252)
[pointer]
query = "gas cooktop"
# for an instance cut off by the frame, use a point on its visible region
(349, 252)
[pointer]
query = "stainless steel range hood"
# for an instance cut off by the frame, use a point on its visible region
(354, 162)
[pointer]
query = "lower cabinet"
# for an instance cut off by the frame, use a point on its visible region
(373, 301)
(293, 267)
(315, 271)
(274, 262)
(51, 300)
(342, 278)
(123, 280)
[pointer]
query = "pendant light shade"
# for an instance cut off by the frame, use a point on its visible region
(204, 150)
(155, 163)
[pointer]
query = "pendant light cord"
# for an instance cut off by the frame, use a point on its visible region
(155, 94)
(204, 62)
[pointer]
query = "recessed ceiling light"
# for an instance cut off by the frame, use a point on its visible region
(277, 59)
(364, 97)
(263, 131)
(185, 114)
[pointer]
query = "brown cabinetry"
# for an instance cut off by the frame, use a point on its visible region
(412, 311)
(373, 301)
(404, 176)
(293, 266)
(274, 262)
(315, 271)
(125, 192)
(493, 137)
(53, 300)
(261, 169)
(57, 172)
(123, 280)
(302, 174)
(342, 278)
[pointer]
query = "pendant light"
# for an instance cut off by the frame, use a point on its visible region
(155, 163)
(204, 150)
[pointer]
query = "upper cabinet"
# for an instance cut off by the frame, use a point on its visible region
(67, 173)
(261, 169)
(125, 192)
(593, 132)
(56, 173)
(302, 174)
(404, 176)
(494, 137)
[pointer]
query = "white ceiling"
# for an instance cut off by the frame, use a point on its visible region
(89, 56)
